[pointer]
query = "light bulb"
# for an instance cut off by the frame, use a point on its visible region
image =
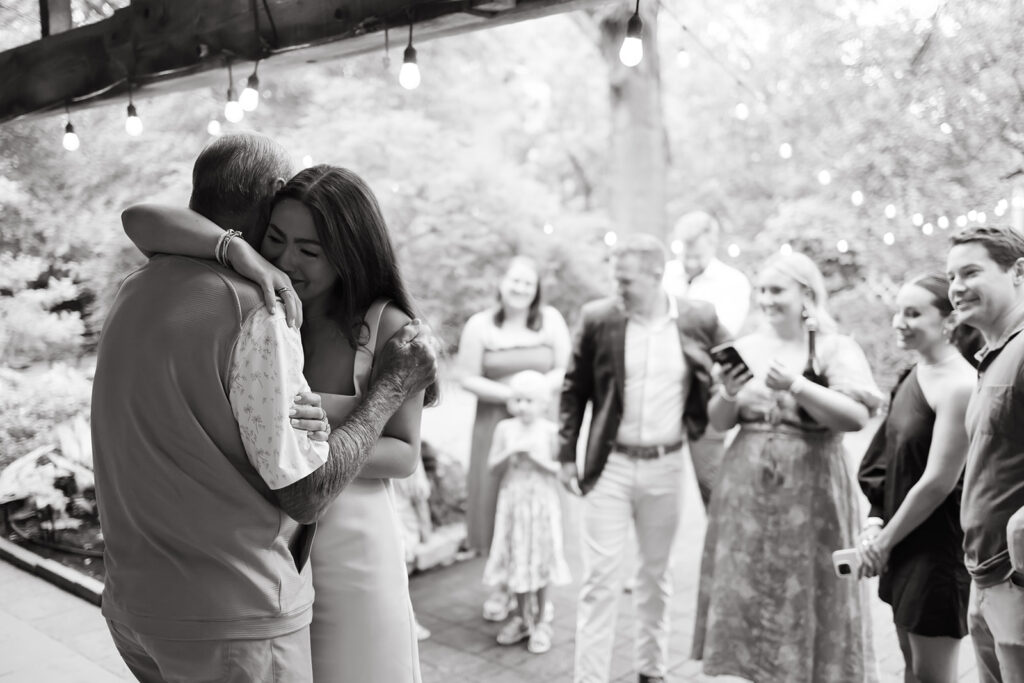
(133, 124)
(917, 219)
(961, 221)
(548, 229)
(843, 246)
(785, 150)
(70, 142)
(889, 238)
(824, 177)
(890, 211)
(734, 250)
(683, 59)
(943, 222)
(632, 51)
(409, 74)
(742, 111)
(233, 111)
(927, 228)
(786, 249)
(857, 198)
(250, 98)
(610, 238)
(213, 127)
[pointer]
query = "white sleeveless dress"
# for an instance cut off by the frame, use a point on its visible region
(363, 626)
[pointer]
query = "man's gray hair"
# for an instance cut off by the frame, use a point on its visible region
(695, 224)
(234, 175)
(648, 248)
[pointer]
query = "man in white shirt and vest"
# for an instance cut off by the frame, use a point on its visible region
(640, 358)
(205, 489)
(698, 274)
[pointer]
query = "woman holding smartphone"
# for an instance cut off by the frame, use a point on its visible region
(770, 607)
(912, 475)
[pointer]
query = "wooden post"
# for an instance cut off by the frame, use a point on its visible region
(54, 16)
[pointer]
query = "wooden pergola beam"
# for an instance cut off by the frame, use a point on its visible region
(169, 46)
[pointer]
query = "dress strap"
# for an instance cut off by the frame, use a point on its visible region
(364, 353)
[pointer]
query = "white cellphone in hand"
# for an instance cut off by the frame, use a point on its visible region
(846, 562)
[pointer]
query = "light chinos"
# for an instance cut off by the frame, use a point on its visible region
(647, 494)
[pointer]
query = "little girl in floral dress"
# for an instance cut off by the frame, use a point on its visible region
(526, 553)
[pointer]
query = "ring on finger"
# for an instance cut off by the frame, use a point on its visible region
(282, 290)
(324, 425)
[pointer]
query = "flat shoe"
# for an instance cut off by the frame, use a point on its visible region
(540, 639)
(515, 631)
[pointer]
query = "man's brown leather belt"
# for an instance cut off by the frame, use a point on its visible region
(647, 452)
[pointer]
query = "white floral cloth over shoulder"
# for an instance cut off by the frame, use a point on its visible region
(265, 376)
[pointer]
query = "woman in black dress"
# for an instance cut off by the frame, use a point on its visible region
(912, 475)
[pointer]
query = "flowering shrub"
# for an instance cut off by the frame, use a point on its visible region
(29, 329)
(32, 405)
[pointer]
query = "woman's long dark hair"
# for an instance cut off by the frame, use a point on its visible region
(967, 340)
(356, 242)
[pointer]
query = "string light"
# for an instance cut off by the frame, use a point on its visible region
(683, 59)
(1000, 209)
(70, 141)
(943, 222)
(742, 111)
(250, 98)
(981, 217)
(677, 247)
(307, 161)
(610, 238)
(972, 215)
(889, 238)
(890, 211)
(961, 221)
(857, 198)
(632, 51)
(928, 228)
(233, 111)
(409, 74)
(824, 177)
(132, 124)
(734, 250)
(946, 128)
(843, 246)
(917, 219)
(548, 229)
(786, 249)
(213, 127)
(785, 150)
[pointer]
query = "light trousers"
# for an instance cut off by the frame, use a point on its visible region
(284, 659)
(995, 617)
(646, 494)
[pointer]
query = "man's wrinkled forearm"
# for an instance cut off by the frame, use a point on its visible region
(351, 446)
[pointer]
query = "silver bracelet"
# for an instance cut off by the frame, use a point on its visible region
(220, 252)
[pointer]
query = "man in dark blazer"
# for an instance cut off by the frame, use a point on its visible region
(640, 358)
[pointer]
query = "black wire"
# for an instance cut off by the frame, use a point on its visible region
(637, 10)
(270, 18)
(410, 29)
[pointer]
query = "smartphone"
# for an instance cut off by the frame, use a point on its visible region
(846, 562)
(727, 356)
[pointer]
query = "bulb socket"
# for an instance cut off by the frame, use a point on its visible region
(409, 57)
(69, 128)
(635, 27)
(131, 111)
